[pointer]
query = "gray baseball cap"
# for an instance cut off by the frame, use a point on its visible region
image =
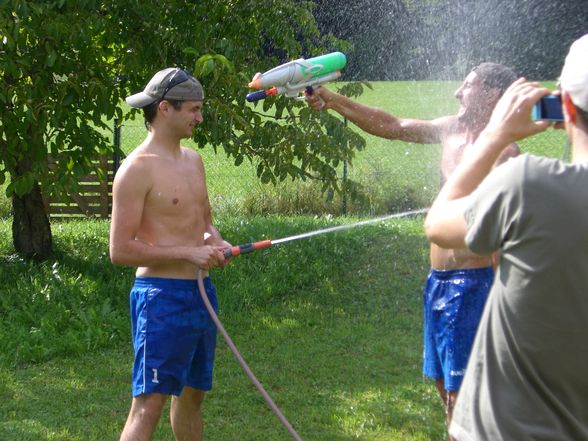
(171, 83)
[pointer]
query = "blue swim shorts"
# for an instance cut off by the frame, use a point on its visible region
(453, 304)
(174, 336)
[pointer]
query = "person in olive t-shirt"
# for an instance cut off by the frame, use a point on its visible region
(527, 376)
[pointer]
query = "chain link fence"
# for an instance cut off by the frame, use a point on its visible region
(391, 176)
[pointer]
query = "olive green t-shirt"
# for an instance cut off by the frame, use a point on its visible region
(527, 377)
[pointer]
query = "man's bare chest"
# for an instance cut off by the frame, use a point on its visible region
(454, 148)
(176, 189)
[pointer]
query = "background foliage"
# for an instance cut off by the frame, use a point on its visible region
(333, 334)
(65, 66)
(444, 39)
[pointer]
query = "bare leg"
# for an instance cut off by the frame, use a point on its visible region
(440, 385)
(143, 417)
(448, 397)
(186, 416)
(449, 405)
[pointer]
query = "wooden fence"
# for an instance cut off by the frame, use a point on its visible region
(93, 199)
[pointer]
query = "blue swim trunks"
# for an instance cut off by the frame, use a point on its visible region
(173, 334)
(453, 305)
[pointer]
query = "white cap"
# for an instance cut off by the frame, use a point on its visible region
(574, 75)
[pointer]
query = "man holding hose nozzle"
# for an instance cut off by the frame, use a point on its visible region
(160, 217)
(526, 378)
(459, 281)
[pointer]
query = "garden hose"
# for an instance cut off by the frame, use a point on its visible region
(243, 363)
(249, 247)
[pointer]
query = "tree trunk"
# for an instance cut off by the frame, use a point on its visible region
(31, 231)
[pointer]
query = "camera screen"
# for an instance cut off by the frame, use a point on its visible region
(551, 108)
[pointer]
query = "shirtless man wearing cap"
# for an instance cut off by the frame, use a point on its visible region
(526, 378)
(160, 216)
(459, 281)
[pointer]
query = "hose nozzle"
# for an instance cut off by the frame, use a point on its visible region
(246, 248)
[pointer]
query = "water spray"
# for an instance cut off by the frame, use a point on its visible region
(250, 247)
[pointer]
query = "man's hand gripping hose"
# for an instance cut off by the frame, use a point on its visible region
(249, 247)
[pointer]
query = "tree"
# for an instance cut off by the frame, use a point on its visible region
(65, 66)
(52, 99)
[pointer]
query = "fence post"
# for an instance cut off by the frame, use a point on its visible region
(344, 199)
(104, 211)
(115, 156)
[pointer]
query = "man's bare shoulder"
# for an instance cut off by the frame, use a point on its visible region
(135, 158)
(191, 154)
(448, 125)
(136, 163)
(447, 120)
(425, 131)
(193, 157)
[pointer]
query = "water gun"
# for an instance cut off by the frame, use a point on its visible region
(292, 77)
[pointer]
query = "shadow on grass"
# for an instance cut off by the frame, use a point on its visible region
(343, 343)
(330, 325)
(71, 304)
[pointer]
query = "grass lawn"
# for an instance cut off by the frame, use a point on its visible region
(395, 175)
(331, 325)
(332, 332)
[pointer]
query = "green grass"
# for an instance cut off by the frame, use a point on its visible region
(67, 301)
(394, 175)
(333, 333)
(331, 325)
